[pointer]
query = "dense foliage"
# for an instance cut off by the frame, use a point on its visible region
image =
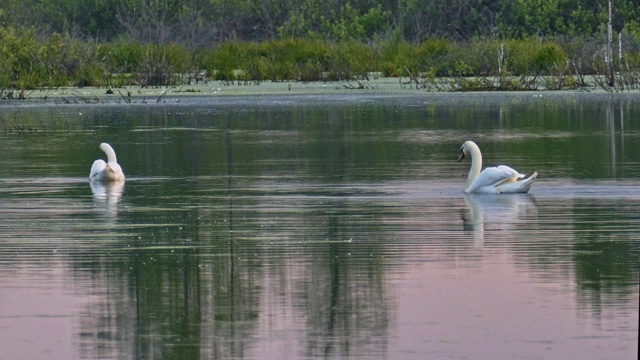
(154, 42)
(194, 22)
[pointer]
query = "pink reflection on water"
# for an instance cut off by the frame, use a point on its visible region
(39, 314)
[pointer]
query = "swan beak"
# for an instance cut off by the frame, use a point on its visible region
(461, 155)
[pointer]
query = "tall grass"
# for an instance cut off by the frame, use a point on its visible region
(28, 61)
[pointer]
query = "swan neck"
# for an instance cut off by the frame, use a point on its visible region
(108, 150)
(476, 164)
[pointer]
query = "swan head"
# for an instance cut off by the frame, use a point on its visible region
(465, 150)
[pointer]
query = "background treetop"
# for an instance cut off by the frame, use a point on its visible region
(197, 22)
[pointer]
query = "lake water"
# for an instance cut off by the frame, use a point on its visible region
(307, 227)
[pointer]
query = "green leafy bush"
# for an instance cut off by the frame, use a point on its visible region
(350, 60)
(432, 55)
(221, 62)
(122, 56)
(397, 56)
(548, 58)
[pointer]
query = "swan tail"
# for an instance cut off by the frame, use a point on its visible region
(526, 183)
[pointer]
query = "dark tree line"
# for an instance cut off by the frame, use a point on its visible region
(480, 44)
(197, 22)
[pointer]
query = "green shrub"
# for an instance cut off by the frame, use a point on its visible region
(310, 71)
(17, 47)
(532, 57)
(291, 59)
(178, 57)
(350, 60)
(481, 55)
(162, 65)
(548, 58)
(520, 55)
(432, 55)
(122, 56)
(91, 75)
(396, 55)
(222, 62)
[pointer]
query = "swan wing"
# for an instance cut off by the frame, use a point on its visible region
(513, 174)
(501, 179)
(96, 169)
(491, 177)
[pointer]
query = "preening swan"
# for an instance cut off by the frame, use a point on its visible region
(106, 171)
(492, 180)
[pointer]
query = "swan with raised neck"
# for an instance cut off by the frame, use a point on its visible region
(106, 171)
(493, 180)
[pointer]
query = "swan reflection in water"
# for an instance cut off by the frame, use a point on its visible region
(497, 214)
(107, 195)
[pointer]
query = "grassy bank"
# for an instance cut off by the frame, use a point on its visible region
(172, 94)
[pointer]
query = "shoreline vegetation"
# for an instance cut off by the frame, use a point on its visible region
(436, 65)
(133, 46)
(374, 86)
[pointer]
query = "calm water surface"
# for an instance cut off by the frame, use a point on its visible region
(320, 227)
